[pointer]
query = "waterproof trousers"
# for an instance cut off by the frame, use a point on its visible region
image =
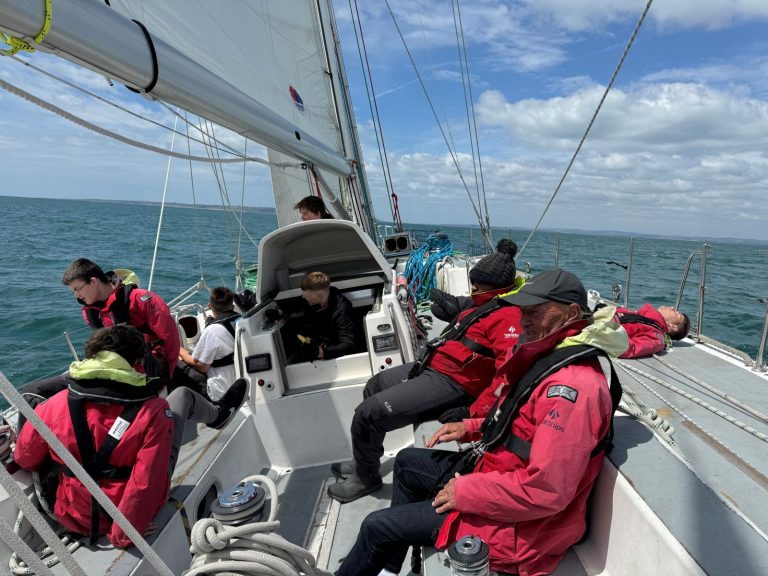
(386, 535)
(391, 401)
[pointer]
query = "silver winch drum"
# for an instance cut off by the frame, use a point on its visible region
(241, 504)
(468, 556)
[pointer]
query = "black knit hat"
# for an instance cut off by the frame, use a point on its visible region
(497, 269)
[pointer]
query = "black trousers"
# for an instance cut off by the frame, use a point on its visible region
(386, 535)
(391, 401)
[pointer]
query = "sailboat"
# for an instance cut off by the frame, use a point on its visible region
(675, 497)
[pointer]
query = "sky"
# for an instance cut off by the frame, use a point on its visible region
(679, 147)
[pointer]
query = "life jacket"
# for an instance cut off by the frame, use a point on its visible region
(96, 463)
(630, 318)
(456, 331)
(497, 427)
(228, 320)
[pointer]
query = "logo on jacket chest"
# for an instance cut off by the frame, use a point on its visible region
(511, 333)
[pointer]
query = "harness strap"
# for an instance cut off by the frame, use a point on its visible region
(97, 464)
(477, 347)
(227, 360)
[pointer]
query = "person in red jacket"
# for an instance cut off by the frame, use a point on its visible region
(459, 366)
(526, 502)
(105, 386)
(107, 299)
(649, 327)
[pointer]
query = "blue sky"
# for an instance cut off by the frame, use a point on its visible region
(679, 147)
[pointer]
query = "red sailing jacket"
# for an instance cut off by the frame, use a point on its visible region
(150, 314)
(644, 340)
(145, 445)
(498, 331)
(531, 512)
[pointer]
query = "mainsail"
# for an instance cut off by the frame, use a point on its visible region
(267, 70)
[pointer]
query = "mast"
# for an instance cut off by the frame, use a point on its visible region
(94, 35)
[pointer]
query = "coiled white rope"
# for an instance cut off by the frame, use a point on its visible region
(250, 549)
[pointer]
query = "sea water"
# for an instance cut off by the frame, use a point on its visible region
(40, 237)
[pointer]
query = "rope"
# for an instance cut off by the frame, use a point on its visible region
(422, 264)
(17, 44)
(125, 140)
(46, 555)
(695, 400)
(591, 122)
(486, 233)
(250, 549)
(727, 397)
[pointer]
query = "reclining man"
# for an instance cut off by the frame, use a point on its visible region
(524, 490)
(650, 329)
(108, 403)
(459, 367)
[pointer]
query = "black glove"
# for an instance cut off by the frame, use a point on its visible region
(272, 314)
(309, 351)
(447, 306)
(245, 300)
(454, 415)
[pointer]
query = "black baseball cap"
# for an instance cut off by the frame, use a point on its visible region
(551, 286)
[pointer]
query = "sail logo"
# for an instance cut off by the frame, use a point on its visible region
(296, 98)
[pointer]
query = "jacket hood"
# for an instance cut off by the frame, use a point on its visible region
(480, 298)
(124, 276)
(107, 366)
(604, 333)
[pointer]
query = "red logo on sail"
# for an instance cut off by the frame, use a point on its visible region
(296, 99)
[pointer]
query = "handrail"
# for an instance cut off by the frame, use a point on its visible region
(758, 364)
(702, 286)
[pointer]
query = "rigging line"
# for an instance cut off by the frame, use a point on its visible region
(591, 122)
(120, 138)
(220, 176)
(228, 206)
(376, 118)
(474, 123)
(238, 261)
(696, 400)
(117, 106)
(459, 39)
(434, 113)
(727, 397)
(194, 202)
(162, 212)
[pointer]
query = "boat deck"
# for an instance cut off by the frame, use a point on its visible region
(709, 488)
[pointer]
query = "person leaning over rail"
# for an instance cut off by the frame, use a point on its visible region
(313, 208)
(523, 488)
(113, 297)
(457, 367)
(651, 329)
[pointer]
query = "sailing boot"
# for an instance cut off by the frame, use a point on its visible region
(229, 404)
(354, 487)
(343, 469)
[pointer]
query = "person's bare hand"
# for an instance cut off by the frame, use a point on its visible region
(446, 498)
(151, 529)
(447, 433)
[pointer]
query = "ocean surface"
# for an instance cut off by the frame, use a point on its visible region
(39, 238)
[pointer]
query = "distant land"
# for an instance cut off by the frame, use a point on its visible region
(436, 227)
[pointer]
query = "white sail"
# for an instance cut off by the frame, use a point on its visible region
(277, 53)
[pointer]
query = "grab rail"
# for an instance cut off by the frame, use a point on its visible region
(702, 286)
(758, 365)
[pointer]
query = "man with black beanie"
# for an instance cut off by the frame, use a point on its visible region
(456, 368)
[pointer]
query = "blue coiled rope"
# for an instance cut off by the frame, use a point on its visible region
(422, 263)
